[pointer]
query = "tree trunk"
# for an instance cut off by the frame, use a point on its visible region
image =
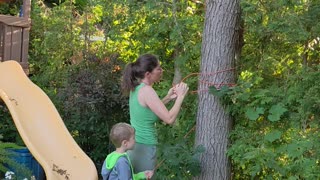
(218, 54)
(26, 9)
(177, 73)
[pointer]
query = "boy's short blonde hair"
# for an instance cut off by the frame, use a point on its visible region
(120, 132)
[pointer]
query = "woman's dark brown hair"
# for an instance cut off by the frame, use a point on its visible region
(135, 71)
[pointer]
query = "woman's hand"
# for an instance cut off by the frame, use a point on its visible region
(172, 94)
(181, 89)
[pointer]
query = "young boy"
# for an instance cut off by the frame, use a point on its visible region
(117, 165)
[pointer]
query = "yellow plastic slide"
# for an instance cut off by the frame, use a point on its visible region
(42, 128)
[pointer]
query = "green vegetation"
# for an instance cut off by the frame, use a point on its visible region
(275, 103)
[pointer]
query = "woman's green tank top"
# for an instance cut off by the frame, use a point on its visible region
(142, 119)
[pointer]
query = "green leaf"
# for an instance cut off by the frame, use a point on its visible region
(254, 113)
(293, 178)
(275, 112)
(219, 92)
(255, 170)
(294, 150)
(273, 135)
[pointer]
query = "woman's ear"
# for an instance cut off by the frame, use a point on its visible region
(147, 74)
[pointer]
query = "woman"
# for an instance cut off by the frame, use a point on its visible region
(146, 107)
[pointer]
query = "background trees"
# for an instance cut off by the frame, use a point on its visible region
(275, 100)
(81, 75)
(275, 103)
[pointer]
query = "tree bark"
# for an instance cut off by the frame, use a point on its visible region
(26, 9)
(177, 73)
(218, 54)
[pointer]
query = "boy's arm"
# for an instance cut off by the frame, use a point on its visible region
(140, 175)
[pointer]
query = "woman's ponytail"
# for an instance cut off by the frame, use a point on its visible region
(129, 81)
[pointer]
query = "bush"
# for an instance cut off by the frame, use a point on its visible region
(276, 134)
(91, 103)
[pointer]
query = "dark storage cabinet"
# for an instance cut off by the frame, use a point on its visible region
(25, 158)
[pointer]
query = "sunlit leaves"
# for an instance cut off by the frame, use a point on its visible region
(97, 13)
(165, 28)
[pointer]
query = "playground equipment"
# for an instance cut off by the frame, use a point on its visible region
(41, 127)
(14, 36)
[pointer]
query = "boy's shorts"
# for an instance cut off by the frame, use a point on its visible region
(143, 157)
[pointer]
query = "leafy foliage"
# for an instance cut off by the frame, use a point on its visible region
(12, 7)
(180, 161)
(81, 77)
(92, 103)
(176, 148)
(171, 30)
(275, 103)
(274, 135)
(8, 131)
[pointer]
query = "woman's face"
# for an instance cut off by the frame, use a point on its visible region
(156, 73)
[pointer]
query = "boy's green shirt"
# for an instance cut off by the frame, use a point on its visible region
(112, 159)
